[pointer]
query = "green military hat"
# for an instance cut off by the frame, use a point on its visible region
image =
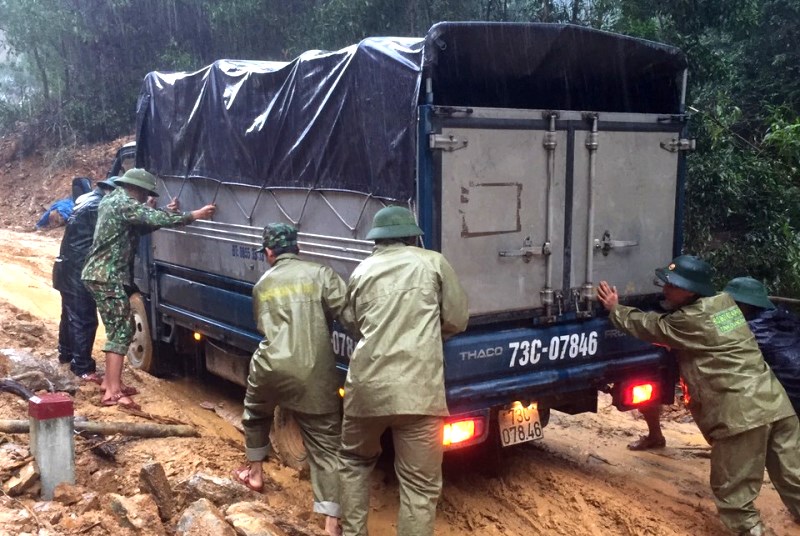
(393, 222)
(689, 273)
(279, 235)
(109, 183)
(141, 178)
(750, 291)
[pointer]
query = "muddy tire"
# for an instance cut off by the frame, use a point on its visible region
(140, 352)
(287, 442)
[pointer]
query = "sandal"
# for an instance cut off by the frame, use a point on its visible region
(237, 476)
(92, 377)
(116, 400)
(647, 443)
(128, 390)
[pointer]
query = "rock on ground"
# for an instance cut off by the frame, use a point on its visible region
(202, 518)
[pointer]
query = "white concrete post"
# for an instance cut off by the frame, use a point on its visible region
(52, 443)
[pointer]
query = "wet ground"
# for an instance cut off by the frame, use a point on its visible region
(579, 480)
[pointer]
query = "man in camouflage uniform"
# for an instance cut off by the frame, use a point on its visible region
(404, 301)
(122, 216)
(294, 304)
(78, 325)
(735, 399)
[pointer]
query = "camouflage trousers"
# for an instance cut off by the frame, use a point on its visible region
(115, 312)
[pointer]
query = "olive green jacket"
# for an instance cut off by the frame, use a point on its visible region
(731, 388)
(405, 301)
(294, 304)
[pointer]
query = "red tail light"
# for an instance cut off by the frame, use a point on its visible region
(638, 394)
(464, 430)
(458, 432)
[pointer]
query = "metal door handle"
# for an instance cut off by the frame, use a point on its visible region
(526, 251)
(605, 244)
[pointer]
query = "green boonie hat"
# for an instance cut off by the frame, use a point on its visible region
(279, 235)
(750, 291)
(141, 178)
(689, 273)
(393, 222)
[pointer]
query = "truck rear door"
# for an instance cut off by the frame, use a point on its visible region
(539, 201)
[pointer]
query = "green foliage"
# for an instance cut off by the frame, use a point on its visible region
(742, 192)
(784, 137)
(742, 209)
(79, 64)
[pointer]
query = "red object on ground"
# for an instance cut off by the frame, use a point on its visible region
(50, 406)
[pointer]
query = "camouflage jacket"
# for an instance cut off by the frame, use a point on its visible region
(120, 220)
(731, 388)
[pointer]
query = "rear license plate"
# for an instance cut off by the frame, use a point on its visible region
(519, 425)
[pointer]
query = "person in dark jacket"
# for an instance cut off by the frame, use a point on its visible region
(78, 325)
(777, 332)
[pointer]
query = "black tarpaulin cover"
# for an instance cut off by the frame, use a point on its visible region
(347, 119)
(551, 67)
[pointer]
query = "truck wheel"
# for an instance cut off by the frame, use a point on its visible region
(287, 441)
(140, 352)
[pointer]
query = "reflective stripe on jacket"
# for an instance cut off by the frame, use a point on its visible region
(731, 388)
(405, 301)
(294, 304)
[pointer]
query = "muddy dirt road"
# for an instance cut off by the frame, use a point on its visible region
(579, 480)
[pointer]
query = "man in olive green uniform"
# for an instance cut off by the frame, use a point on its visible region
(295, 303)
(735, 399)
(121, 217)
(405, 301)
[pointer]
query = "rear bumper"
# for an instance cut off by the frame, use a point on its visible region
(540, 384)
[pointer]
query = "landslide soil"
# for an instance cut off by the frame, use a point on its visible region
(579, 480)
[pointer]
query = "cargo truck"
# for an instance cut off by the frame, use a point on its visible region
(539, 159)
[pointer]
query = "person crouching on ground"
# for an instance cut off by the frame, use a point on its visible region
(294, 304)
(735, 399)
(121, 217)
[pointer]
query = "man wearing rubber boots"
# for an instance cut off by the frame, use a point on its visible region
(121, 217)
(735, 399)
(405, 301)
(295, 303)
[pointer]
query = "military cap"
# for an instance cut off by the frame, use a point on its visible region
(279, 235)
(689, 273)
(141, 178)
(750, 291)
(393, 222)
(109, 183)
